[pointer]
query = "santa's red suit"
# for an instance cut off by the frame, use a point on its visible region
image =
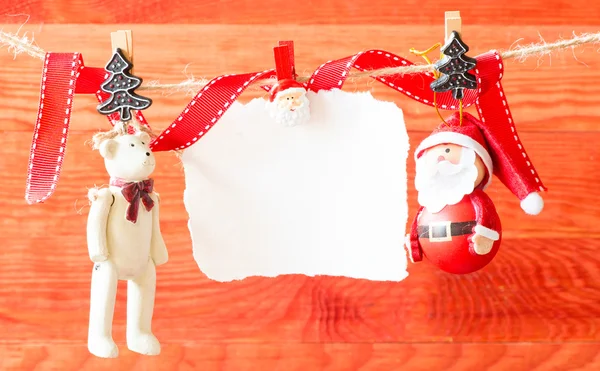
(445, 237)
(448, 244)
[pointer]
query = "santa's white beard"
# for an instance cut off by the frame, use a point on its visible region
(442, 183)
(282, 114)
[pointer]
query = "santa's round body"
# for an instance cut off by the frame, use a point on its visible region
(457, 227)
(446, 237)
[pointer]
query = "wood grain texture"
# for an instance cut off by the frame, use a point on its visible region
(316, 357)
(534, 291)
(554, 93)
(386, 12)
(568, 211)
(543, 285)
(536, 307)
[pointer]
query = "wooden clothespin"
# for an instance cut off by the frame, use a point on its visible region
(122, 39)
(452, 23)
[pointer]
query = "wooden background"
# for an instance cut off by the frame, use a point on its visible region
(536, 307)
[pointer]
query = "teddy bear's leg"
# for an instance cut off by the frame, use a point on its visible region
(140, 307)
(102, 306)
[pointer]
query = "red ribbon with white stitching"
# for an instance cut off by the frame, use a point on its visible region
(489, 99)
(204, 110)
(207, 107)
(64, 75)
(63, 71)
(211, 103)
(333, 74)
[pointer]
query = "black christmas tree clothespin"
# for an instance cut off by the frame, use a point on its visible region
(121, 82)
(455, 65)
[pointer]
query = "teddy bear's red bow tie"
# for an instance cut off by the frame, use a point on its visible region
(133, 192)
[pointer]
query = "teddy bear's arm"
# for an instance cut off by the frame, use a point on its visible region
(158, 249)
(101, 200)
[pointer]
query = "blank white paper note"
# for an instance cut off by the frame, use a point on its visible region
(324, 198)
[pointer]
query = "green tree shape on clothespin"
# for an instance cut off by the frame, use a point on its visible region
(121, 85)
(454, 68)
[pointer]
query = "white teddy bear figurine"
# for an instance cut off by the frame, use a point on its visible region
(125, 243)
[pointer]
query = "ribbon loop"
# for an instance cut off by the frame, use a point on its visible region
(333, 74)
(489, 71)
(63, 76)
(489, 99)
(51, 130)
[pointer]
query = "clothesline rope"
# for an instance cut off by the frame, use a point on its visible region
(23, 44)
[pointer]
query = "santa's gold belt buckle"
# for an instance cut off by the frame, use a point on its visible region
(440, 232)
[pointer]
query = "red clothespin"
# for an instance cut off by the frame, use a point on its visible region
(284, 62)
(290, 46)
(285, 69)
(288, 101)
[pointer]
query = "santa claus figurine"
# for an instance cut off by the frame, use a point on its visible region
(457, 227)
(288, 104)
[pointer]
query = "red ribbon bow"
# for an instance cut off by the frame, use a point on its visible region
(133, 192)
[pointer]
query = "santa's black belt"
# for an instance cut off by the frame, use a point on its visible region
(445, 231)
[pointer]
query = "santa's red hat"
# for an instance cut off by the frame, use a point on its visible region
(288, 86)
(501, 153)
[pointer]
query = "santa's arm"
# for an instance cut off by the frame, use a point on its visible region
(101, 202)
(488, 222)
(158, 249)
(412, 240)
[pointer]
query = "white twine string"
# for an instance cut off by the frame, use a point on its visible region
(23, 44)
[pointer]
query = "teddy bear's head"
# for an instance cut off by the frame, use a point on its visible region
(128, 157)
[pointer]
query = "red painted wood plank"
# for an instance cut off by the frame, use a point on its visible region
(557, 95)
(535, 290)
(313, 357)
(485, 12)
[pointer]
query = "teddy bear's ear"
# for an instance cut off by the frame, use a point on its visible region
(108, 148)
(144, 136)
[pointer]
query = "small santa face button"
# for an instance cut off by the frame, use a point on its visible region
(291, 101)
(290, 107)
